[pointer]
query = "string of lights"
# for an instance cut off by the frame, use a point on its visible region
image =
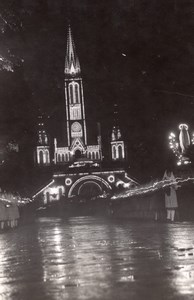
(156, 186)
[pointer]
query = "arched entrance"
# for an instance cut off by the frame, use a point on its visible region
(78, 154)
(89, 189)
(90, 185)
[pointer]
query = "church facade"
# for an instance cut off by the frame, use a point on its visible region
(83, 160)
(76, 125)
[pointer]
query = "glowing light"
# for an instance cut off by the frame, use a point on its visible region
(111, 178)
(181, 126)
(186, 162)
(126, 185)
(119, 182)
(68, 181)
(158, 185)
(192, 140)
(54, 190)
(179, 147)
(44, 188)
(172, 135)
(6, 64)
(72, 69)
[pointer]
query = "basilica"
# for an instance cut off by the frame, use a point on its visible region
(82, 162)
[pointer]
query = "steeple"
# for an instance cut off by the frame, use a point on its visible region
(72, 65)
(77, 145)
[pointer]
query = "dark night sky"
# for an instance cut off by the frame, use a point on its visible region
(137, 53)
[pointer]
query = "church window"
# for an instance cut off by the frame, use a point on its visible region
(71, 92)
(66, 157)
(114, 152)
(77, 98)
(74, 93)
(76, 129)
(59, 158)
(120, 152)
(47, 156)
(63, 157)
(40, 139)
(45, 139)
(41, 157)
(75, 112)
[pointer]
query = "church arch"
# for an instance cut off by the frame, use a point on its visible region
(78, 154)
(91, 178)
(89, 189)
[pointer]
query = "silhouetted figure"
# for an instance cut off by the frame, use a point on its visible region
(171, 203)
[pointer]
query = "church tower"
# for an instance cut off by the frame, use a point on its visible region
(42, 153)
(117, 143)
(74, 97)
(77, 147)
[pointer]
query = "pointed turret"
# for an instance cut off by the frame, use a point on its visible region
(72, 65)
(117, 144)
(42, 152)
(42, 135)
(116, 133)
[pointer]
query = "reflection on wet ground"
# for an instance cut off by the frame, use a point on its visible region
(92, 258)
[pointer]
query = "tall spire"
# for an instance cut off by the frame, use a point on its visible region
(72, 65)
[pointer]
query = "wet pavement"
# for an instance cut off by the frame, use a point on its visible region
(93, 258)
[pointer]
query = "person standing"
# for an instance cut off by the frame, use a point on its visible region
(171, 203)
